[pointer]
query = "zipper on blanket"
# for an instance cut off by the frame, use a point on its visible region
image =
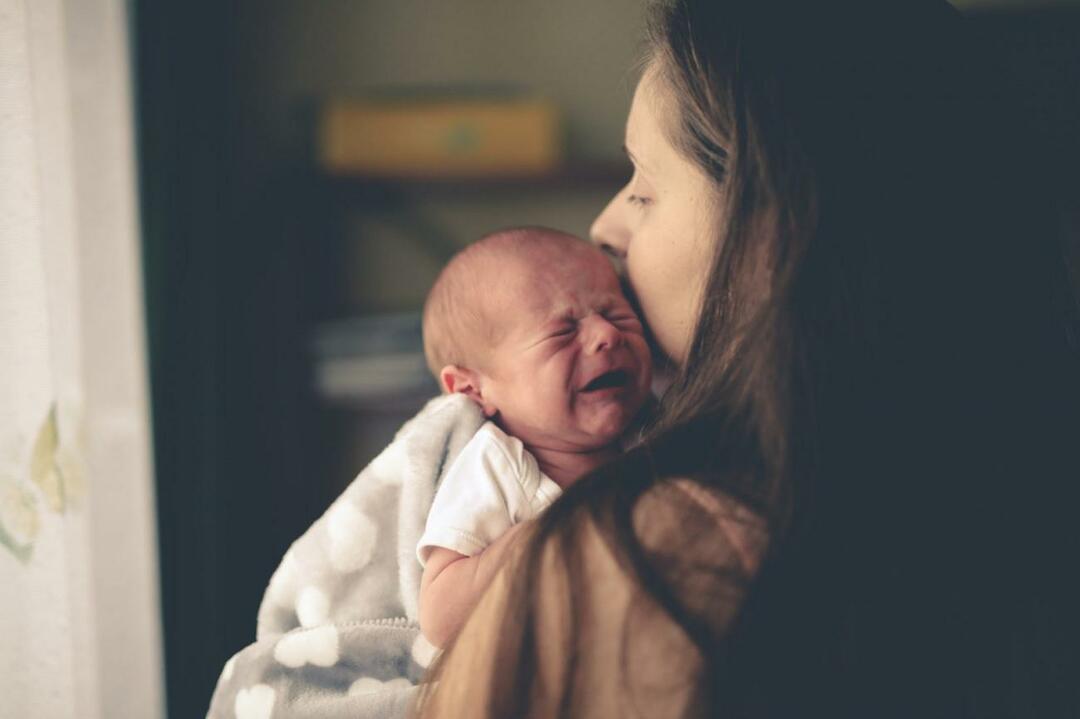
(383, 622)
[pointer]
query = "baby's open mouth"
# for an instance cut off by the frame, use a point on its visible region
(614, 378)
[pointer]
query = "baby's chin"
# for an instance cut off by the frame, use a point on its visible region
(608, 423)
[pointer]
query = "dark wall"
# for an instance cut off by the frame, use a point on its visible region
(236, 435)
(1037, 56)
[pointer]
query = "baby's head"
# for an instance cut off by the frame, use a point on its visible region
(531, 324)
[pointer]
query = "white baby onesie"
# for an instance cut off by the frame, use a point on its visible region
(493, 484)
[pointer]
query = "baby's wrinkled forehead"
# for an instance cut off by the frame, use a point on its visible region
(516, 279)
(537, 292)
(503, 283)
(561, 264)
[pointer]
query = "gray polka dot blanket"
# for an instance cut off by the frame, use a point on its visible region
(337, 632)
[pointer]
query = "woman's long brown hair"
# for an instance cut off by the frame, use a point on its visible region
(882, 371)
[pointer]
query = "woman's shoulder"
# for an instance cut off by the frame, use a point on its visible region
(690, 512)
(702, 544)
(589, 604)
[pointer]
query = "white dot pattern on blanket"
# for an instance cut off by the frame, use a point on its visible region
(289, 568)
(254, 703)
(318, 646)
(283, 582)
(352, 537)
(312, 608)
(227, 670)
(387, 466)
(370, 685)
(423, 651)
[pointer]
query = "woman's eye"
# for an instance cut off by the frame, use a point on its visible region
(638, 200)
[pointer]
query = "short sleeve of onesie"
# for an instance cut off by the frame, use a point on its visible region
(493, 484)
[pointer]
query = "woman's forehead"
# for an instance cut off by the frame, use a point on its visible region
(646, 141)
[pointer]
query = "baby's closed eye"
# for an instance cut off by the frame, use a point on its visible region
(623, 319)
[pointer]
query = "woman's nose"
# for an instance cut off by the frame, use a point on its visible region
(610, 230)
(601, 335)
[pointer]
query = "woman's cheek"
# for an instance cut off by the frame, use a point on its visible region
(637, 281)
(653, 296)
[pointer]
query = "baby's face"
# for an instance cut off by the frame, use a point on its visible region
(572, 368)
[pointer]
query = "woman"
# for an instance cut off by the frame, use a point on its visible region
(852, 502)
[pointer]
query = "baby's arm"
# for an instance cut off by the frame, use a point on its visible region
(453, 583)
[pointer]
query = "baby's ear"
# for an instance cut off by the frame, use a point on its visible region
(461, 380)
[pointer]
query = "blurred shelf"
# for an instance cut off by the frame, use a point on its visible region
(587, 175)
(394, 405)
(372, 364)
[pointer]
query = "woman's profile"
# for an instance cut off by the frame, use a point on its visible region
(854, 498)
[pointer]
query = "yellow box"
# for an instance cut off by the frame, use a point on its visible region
(444, 139)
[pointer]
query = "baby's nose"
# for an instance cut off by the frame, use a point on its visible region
(602, 335)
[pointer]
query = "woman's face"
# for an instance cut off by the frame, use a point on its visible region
(663, 225)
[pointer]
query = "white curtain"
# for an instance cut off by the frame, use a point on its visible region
(79, 619)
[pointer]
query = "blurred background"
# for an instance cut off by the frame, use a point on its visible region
(282, 291)
(283, 286)
(299, 171)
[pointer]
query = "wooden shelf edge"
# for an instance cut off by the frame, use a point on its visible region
(598, 174)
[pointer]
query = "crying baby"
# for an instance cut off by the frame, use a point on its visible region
(532, 325)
